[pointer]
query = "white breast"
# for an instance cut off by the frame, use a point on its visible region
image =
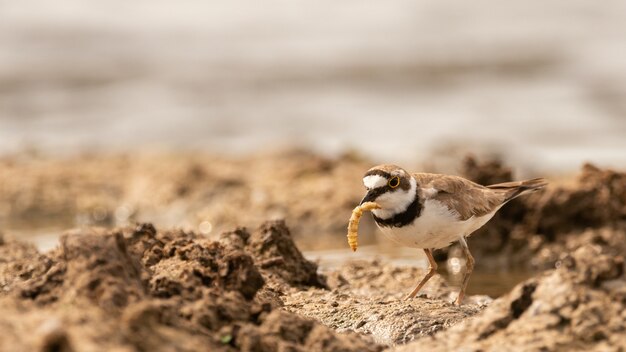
(436, 227)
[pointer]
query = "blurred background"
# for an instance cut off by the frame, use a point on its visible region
(542, 83)
(211, 87)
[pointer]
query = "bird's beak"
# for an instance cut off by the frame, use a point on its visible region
(369, 197)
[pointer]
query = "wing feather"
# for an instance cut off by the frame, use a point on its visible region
(460, 195)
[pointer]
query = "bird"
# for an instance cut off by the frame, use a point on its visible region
(431, 211)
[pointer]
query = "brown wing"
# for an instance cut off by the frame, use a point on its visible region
(514, 189)
(461, 195)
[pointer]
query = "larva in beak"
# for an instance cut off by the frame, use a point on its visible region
(353, 224)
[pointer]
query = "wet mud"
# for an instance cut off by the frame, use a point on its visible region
(217, 285)
(580, 306)
(142, 290)
(139, 289)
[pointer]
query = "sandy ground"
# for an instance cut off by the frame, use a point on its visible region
(138, 289)
(133, 288)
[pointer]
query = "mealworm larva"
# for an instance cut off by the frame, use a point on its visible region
(353, 224)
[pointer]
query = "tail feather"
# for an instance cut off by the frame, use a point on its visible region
(514, 189)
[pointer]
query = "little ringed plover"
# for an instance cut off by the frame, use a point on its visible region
(432, 211)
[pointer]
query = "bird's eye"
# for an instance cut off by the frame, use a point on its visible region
(394, 182)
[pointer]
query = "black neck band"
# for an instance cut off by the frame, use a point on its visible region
(406, 217)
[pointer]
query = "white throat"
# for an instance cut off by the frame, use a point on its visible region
(396, 202)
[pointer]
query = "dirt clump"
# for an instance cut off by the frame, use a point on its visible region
(20, 261)
(275, 253)
(564, 218)
(535, 229)
(598, 199)
(578, 306)
(138, 289)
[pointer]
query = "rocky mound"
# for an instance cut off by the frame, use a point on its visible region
(139, 289)
(580, 306)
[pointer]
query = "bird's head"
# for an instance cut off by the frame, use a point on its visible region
(391, 187)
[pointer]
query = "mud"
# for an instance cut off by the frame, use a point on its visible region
(368, 297)
(207, 286)
(276, 254)
(580, 306)
(139, 290)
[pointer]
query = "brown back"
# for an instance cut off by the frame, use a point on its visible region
(468, 198)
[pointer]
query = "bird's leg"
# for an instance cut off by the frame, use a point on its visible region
(432, 269)
(468, 271)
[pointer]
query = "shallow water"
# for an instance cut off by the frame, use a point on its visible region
(492, 282)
